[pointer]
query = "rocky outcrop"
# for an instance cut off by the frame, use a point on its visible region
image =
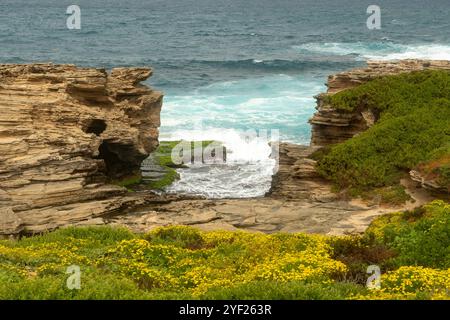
(429, 181)
(296, 177)
(65, 132)
(330, 126)
(299, 199)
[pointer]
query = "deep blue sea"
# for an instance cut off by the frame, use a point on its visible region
(227, 65)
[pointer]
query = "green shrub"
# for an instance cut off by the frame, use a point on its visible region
(104, 235)
(414, 122)
(358, 253)
(181, 262)
(395, 195)
(162, 156)
(94, 286)
(420, 237)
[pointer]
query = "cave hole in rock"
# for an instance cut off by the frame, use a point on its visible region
(96, 126)
(119, 159)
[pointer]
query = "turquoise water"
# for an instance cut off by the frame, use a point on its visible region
(227, 66)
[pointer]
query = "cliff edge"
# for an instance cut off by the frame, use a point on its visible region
(65, 133)
(330, 126)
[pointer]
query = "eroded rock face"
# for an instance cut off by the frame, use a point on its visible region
(297, 178)
(330, 126)
(64, 133)
(428, 181)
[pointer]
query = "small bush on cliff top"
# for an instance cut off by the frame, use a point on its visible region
(414, 122)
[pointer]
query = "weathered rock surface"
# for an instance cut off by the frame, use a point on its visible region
(429, 182)
(330, 126)
(375, 69)
(64, 131)
(297, 177)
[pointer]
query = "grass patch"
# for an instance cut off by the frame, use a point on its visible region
(420, 237)
(169, 177)
(163, 154)
(392, 195)
(294, 290)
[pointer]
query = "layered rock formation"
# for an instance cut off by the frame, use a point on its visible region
(330, 126)
(296, 177)
(430, 182)
(65, 132)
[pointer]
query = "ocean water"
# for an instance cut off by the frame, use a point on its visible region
(227, 66)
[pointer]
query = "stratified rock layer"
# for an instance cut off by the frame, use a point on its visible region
(64, 133)
(429, 182)
(330, 126)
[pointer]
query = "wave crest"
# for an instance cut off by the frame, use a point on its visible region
(378, 50)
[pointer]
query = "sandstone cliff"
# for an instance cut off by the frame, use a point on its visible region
(331, 126)
(65, 132)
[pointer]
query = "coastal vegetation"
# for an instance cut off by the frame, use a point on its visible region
(412, 131)
(162, 158)
(411, 248)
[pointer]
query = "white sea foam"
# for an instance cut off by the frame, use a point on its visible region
(246, 173)
(242, 146)
(432, 52)
(379, 50)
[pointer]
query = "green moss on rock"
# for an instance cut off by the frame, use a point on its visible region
(162, 157)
